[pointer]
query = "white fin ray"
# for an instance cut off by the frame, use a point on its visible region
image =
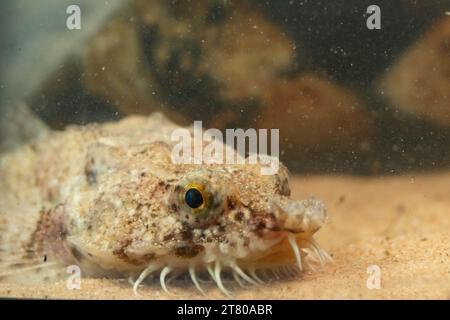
(293, 242)
(217, 272)
(195, 281)
(150, 269)
(164, 272)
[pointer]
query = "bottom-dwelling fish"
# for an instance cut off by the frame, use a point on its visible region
(109, 199)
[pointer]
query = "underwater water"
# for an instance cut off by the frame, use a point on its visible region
(357, 91)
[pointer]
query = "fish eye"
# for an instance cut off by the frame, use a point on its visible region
(194, 198)
(198, 199)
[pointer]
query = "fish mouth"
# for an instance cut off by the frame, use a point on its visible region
(277, 232)
(293, 230)
(290, 226)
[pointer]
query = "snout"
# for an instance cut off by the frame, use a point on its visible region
(304, 218)
(285, 216)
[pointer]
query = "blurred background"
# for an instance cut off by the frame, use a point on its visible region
(345, 98)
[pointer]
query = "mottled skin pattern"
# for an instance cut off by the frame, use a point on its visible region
(108, 198)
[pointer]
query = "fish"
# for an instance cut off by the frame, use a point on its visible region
(109, 199)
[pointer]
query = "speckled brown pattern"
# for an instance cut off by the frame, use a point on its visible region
(108, 198)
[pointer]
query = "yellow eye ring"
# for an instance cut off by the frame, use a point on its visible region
(196, 197)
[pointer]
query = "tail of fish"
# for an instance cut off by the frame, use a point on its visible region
(21, 207)
(21, 260)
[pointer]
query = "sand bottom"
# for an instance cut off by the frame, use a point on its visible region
(399, 226)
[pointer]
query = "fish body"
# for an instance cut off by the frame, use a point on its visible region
(109, 199)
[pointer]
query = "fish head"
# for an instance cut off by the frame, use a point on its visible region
(142, 212)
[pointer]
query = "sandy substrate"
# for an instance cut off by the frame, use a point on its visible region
(400, 224)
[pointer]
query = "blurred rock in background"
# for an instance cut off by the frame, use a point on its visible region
(194, 60)
(229, 65)
(316, 116)
(419, 82)
(309, 68)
